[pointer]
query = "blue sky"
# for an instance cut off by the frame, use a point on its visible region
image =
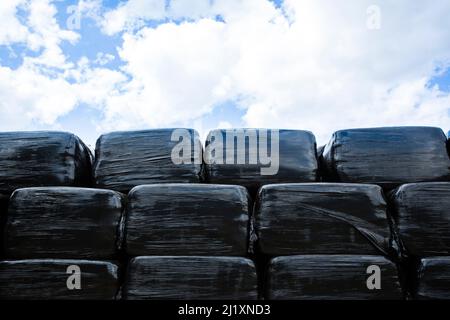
(442, 81)
(205, 64)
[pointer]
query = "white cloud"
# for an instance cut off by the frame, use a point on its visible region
(172, 81)
(37, 29)
(310, 65)
(11, 30)
(132, 14)
(35, 91)
(91, 9)
(224, 125)
(45, 86)
(28, 95)
(94, 85)
(193, 9)
(327, 71)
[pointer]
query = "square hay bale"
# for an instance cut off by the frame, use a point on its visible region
(63, 222)
(322, 218)
(255, 157)
(57, 280)
(124, 160)
(387, 156)
(433, 279)
(191, 278)
(187, 219)
(422, 218)
(39, 159)
(332, 277)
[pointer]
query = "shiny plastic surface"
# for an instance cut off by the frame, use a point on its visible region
(422, 217)
(297, 159)
(322, 218)
(387, 156)
(47, 280)
(187, 219)
(331, 277)
(191, 278)
(433, 279)
(124, 160)
(4, 199)
(63, 222)
(38, 159)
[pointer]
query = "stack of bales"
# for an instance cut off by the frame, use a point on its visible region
(53, 227)
(413, 161)
(184, 240)
(313, 240)
(154, 216)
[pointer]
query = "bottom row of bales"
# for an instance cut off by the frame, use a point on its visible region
(193, 241)
(220, 278)
(192, 277)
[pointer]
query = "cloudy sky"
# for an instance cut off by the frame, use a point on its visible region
(96, 66)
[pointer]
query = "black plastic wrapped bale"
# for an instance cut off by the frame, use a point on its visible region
(187, 219)
(128, 159)
(191, 278)
(63, 222)
(332, 277)
(255, 157)
(322, 218)
(387, 156)
(422, 218)
(38, 159)
(433, 279)
(58, 280)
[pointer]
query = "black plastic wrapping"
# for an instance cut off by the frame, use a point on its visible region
(422, 218)
(297, 160)
(387, 156)
(187, 219)
(322, 168)
(330, 277)
(4, 199)
(448, 143)
(191, 278)
(433, 278)
(320, 151)
(63, 222)
(47, 280)
(38, 159)
(322, 218)
(124, 160)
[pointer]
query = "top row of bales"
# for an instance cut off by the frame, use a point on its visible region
(388, 157)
